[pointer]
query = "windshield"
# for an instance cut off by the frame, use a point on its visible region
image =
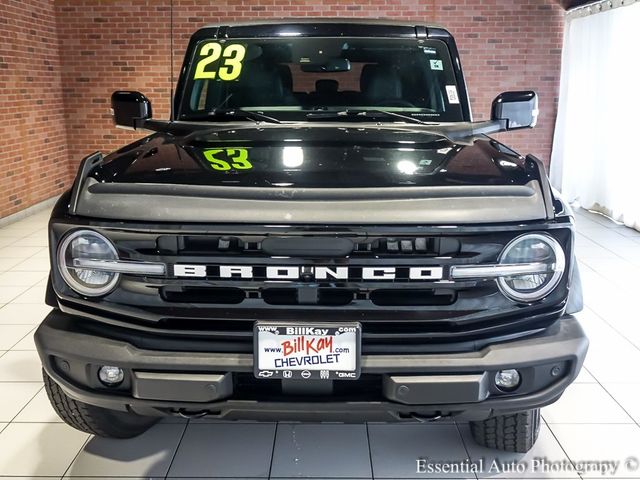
(289, 78)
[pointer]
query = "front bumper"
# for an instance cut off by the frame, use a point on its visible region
(392, 387)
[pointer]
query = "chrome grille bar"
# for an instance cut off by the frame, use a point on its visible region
(460, 272)
(121, 266)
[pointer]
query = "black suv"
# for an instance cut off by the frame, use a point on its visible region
(319, 232)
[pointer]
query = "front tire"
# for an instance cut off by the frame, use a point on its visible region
(512, 433)
(95, 420)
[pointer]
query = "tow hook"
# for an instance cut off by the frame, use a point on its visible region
(192, 415)
(426, 418)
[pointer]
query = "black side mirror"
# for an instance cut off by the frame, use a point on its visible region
(518, 109)
(130, 109)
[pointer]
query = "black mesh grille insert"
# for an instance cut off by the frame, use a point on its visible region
(412, 297)
(204, 295)
(307, 296)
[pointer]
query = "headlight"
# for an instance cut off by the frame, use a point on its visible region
(546, 258)
(87, 245)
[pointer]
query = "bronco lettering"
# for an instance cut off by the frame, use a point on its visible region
(289, 272)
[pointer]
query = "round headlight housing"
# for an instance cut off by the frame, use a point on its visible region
(543, 256)
(87, 245)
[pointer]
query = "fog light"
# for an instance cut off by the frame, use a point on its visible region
(507, 380)
(110, 375)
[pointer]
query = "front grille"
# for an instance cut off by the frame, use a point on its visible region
(334, 297)
(401, 313)
(412, 297)
(323, 296)
(206, 245)
(205, 295)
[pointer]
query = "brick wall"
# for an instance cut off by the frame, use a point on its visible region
(107, 46)
(125, 44)
(33, 144)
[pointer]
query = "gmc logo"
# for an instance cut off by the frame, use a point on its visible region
(307, 273)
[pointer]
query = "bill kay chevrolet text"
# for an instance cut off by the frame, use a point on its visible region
(319, 232)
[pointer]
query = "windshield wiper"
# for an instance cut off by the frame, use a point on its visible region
(234, 113)
(366, 114)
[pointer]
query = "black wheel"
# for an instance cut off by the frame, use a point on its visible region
(512, 433)
(95, 420)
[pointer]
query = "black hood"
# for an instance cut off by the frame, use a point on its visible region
(319, 173)
(316, 156)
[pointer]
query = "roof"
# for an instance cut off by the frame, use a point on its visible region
(325, 20)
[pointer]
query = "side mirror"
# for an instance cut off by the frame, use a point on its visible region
(518, 109)
(129, 109)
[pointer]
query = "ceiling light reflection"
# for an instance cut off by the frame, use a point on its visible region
(292, 157)
(407, 167)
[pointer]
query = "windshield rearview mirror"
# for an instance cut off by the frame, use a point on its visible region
(129, 109)
(518, 109)
(331, 65)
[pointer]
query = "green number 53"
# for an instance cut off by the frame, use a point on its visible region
(238, 159)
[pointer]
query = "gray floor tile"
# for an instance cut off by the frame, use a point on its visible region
(30, 314)
(32, 264)
(224, 450)
(20, 366)
(618, 443)
(585, 376)
(28, 342)
(9, 293)
(6, 240)
(6, 264)
(149, 454)
(10, 335)
(585, 403)
(38, 410)
(113, 478)
(38, 477)
(495, 464)
(608, 350)
(17, 251)
(321, 451)
(14, 396)
(35, 240)
(34, 296)
(396, 448)
(173, 420)
(628, 396)
(21, 278)
(38, 449)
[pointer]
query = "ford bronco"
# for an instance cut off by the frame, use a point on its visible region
(320, 231)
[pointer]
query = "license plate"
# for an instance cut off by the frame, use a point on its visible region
(319, 351)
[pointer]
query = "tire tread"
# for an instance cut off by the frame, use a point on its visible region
(517, 432)
(94, 420)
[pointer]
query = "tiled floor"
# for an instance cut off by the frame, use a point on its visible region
(597, 420)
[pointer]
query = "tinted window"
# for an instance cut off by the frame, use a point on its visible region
(288, 78)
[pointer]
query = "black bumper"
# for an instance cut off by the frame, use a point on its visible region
(392, 387)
